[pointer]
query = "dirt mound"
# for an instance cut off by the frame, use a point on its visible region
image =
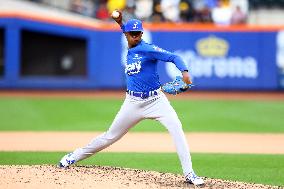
(49, 176)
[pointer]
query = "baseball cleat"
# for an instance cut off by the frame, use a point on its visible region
(66, 161)
(192, 178)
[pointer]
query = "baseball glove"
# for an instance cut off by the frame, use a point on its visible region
(175, 87)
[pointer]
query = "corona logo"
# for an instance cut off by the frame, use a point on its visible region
(212, 47)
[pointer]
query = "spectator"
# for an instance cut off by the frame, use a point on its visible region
(157, 18)
(186, 11)
(222, 13)
(202, 10)
(128, 13)
(170, 10)
(77, 6)
(115, 4)
(36, 1)
(88, 8)
(144, 9)
(218, 11)
(102, 12)
(205, 15)
(130, 3)
(157, 15)
(238, 17)
(198, 5)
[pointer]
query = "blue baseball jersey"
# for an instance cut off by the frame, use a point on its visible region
(141, 66)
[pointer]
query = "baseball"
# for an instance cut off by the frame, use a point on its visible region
(115, 14)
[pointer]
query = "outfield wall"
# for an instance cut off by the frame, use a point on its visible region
(57, 54)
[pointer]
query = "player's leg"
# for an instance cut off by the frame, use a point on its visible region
(128, 116)
(164, 113)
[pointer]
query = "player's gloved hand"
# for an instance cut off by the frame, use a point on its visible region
(177, 86)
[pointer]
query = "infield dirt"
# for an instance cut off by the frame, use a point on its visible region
(248, 143)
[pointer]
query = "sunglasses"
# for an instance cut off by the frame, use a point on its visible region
(135, 33)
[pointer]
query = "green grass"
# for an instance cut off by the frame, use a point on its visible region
(264, 169)
(19, 114)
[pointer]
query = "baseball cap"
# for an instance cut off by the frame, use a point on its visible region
(133, 25)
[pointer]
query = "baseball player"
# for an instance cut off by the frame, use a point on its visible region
(144, 99)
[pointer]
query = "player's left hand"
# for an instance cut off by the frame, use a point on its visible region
(177, 86)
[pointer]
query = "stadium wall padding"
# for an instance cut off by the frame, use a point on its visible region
(217, 59)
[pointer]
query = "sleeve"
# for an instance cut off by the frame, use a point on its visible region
(166, 56)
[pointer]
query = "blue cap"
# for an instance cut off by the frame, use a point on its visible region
(133, 25)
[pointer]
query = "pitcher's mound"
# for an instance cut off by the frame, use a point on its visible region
(49, 176)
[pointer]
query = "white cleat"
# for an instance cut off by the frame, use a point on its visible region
(66, 161)
(192, 178)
